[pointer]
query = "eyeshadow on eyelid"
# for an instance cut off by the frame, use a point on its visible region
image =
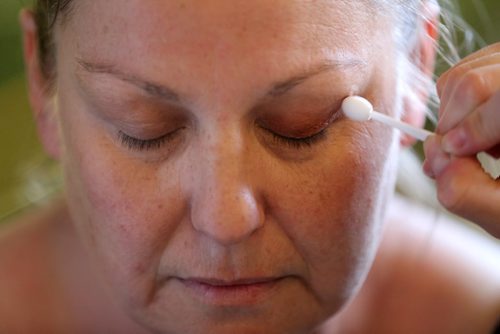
(304, 125)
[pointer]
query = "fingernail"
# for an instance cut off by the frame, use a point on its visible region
(426, 167)
(454, 141)
(440, 162)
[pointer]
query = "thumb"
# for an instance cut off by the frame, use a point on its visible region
(464, 189)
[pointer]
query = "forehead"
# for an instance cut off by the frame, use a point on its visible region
(240, 37)
(233, 18)
(219, 24)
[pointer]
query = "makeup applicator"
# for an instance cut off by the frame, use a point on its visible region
(360, 109)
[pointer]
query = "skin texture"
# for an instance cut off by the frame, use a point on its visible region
(223, 198)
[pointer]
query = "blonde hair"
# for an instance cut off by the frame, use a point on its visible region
(456, 38)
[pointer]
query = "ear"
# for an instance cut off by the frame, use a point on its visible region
(40, 96)
(423, 54)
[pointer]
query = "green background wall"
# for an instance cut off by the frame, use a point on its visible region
(21, 159)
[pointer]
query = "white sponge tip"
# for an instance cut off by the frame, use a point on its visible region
(357, 108)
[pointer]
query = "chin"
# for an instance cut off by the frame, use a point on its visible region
(236, 321)
(241, 327)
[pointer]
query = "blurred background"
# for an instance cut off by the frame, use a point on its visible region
(26, 175)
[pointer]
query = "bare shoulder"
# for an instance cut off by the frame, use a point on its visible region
(46, 282)
(28, 275)
(448, 249)
(432, 274)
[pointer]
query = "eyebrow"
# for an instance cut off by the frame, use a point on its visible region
(168, 94)
(150, 88)
(282, 87)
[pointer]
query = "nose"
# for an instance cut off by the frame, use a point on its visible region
(224, 205)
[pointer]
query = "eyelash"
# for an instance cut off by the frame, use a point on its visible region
(146, 144)
(137, 144)
(299, 143)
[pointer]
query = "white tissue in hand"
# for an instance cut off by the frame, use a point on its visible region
(489, 164)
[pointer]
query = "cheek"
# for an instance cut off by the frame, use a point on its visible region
(121, 209)
(332, 211)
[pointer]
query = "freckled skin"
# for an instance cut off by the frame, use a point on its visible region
(225, 201)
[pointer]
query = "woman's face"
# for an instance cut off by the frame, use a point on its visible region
(208, 167)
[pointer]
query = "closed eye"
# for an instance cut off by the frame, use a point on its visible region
(299, 142)
(137, 144)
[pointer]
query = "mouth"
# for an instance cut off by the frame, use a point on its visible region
(240, 292)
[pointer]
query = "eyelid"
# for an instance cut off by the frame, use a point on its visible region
(334, 115)
(138, 144)
(309, 140)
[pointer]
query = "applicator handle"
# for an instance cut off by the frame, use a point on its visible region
(418, 133)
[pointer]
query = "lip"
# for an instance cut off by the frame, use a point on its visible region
(239, 292)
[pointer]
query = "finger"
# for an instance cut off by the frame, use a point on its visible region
(464, 189)
(436, 160)
(475, 60)
(479, 131)
(489, 49)
(473, 89)
(467, 89)
(467, 63)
